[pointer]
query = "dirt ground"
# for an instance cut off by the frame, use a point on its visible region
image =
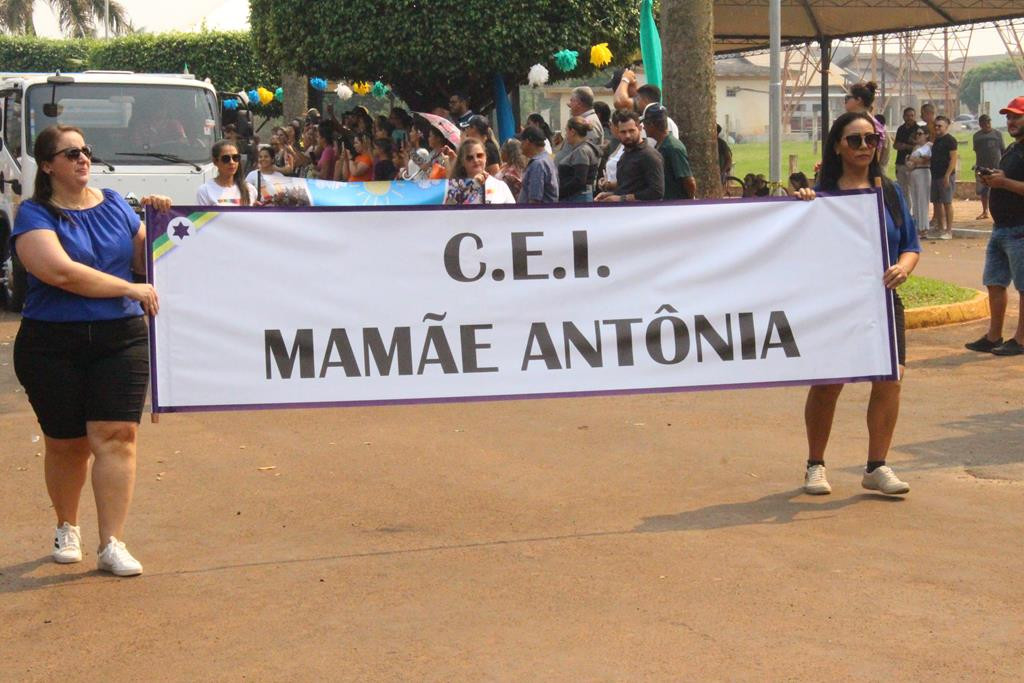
(655, 537)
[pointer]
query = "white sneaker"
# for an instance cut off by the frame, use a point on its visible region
(67, 544)
(885, 480)
(815, 482)
(116, 559)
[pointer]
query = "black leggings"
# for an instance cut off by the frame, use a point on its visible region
(75, 373)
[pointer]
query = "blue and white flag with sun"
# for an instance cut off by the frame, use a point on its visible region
(376, 193)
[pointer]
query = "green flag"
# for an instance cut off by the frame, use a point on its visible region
(650, 43)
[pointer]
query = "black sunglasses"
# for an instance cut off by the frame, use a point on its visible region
(228, 158)
(858, 140)
(73, 153)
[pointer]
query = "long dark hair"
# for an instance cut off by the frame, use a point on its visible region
(538, 120)
(832, 165)
(239, 178)
(45, 149)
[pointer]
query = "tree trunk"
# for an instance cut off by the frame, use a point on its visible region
(296, 100)
(688, 77)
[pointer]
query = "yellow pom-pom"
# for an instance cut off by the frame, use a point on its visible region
(362, 87)
(600, 55)
(266, 96)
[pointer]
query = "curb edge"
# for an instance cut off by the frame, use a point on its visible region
(948, 314)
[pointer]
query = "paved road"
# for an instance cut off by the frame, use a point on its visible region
(660, 537)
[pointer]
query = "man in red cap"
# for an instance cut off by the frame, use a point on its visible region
(1004, 258)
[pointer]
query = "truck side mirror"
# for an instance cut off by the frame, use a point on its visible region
(15, 184)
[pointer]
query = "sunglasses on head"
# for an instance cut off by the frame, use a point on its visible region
(858, 140)
(228, 158)
(74, 153)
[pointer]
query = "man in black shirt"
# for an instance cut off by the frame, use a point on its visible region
(458, 105)
(1004, 258)
(944, 157)
(640, 172)
(904, 145)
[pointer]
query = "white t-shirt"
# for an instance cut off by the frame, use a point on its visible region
(922, 152)
(271, 183)
(212, 194)
(497, 192)
(612, 165)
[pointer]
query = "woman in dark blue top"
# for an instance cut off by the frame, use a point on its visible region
(849, 163)
(82, 349)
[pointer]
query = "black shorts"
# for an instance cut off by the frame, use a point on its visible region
(75, 373)
(901, 329)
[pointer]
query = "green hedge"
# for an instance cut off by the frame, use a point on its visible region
(228, 59)
(28, 53)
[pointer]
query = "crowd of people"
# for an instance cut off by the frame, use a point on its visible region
(632, 154)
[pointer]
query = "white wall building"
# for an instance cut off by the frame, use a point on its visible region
(997, 94)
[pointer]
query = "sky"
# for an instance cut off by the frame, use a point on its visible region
(189, 15)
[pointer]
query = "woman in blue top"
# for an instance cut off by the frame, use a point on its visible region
(849, 163)
(82, 350)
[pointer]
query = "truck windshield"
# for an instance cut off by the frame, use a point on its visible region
(158, 122)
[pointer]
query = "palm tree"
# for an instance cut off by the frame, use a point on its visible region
(77, 18)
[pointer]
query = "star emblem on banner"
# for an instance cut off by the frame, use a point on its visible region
(179, 227)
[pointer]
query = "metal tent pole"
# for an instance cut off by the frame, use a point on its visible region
(775, 93)
(826, 65)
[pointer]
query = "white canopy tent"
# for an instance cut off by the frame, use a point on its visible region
(742, 25)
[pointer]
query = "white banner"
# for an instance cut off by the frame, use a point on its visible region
(297, 307)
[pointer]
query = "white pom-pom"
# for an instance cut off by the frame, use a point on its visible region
(538, 75)
(243, 96)
(343, 92)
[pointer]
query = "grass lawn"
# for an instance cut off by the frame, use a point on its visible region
(752, 157)
(924, 291)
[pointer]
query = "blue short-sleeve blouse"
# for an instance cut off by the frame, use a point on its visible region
(99, 237)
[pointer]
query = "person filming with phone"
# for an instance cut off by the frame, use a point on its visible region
(1004, 256)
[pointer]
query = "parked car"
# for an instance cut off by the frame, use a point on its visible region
(967, 122)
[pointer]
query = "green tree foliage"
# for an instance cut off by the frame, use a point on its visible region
(226, 58)
(77, 18)
(970, 87)
(427, 50)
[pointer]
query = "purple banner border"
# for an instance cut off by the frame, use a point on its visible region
(152, 219)
(517, 397)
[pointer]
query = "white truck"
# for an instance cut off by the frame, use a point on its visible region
(150, 134)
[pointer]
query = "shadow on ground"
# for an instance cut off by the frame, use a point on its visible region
(777, 508)
(989, 439)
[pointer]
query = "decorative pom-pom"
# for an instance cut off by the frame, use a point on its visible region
(600, 55)
(538, 75)
(318, 84)
(343, 92)
(231, 104)
(380, 90)
(566, 60)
